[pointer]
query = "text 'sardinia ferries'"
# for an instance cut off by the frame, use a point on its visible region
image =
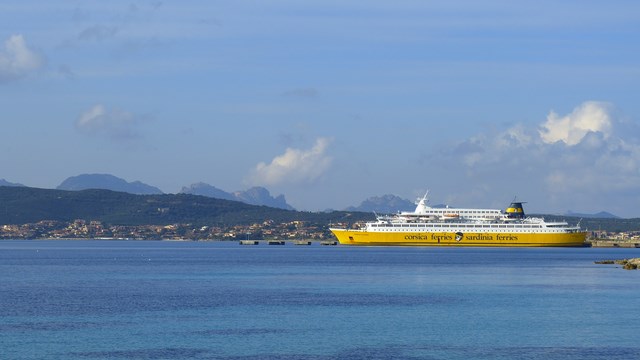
(462, 227)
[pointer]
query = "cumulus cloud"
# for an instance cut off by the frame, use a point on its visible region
(17, 60)
(577, 161)
(294, 166)
(591, 116)
(115, 123)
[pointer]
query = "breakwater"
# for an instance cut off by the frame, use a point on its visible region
(627, 264)
(614, 243)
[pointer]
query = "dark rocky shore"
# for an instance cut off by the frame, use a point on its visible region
(627, 264)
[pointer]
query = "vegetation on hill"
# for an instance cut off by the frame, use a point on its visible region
(22, 205)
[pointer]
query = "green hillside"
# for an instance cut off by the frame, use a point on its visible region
(22, 205)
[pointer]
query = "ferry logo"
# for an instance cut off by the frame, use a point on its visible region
(459, 236)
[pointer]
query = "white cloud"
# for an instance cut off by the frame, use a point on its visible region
(579, 163)
(294, 166)
(590, 116)
(115, 123)
(17, 59)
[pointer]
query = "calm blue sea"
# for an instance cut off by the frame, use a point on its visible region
(219, 300)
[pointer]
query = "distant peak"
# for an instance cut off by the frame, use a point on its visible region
(256, 195)
(599, 215)
(204, 189)
(4, 182)
(387, 203)
(107, 182)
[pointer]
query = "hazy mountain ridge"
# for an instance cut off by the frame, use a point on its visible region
(599, 215)
(254, 196)
(261, 196)
(385, 204)
(204, 189)
(4, 182)
(107, 182)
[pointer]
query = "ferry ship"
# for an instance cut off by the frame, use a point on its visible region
(427, 226)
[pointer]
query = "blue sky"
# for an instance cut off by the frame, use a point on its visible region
(330, 102)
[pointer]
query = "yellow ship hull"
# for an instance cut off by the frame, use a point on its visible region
(367, 238)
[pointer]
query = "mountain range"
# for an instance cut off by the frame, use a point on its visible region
(107, 182)
(385, 204)
(600, 215)
(25, 205)
(252, 196)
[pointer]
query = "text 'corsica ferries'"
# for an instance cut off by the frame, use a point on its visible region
(428, 226)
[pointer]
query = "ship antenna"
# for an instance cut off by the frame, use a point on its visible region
(425, 198)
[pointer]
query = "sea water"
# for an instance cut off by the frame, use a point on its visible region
(219, 300)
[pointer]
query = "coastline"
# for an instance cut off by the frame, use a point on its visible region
(627, 264)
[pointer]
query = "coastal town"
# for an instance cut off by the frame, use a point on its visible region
(82, 229)
(266, 230)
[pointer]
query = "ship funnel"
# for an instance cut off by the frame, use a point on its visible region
(515, 211)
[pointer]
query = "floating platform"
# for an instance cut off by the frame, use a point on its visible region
(328, 243)
(275, 242)
(249, 242)
(301, 242)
